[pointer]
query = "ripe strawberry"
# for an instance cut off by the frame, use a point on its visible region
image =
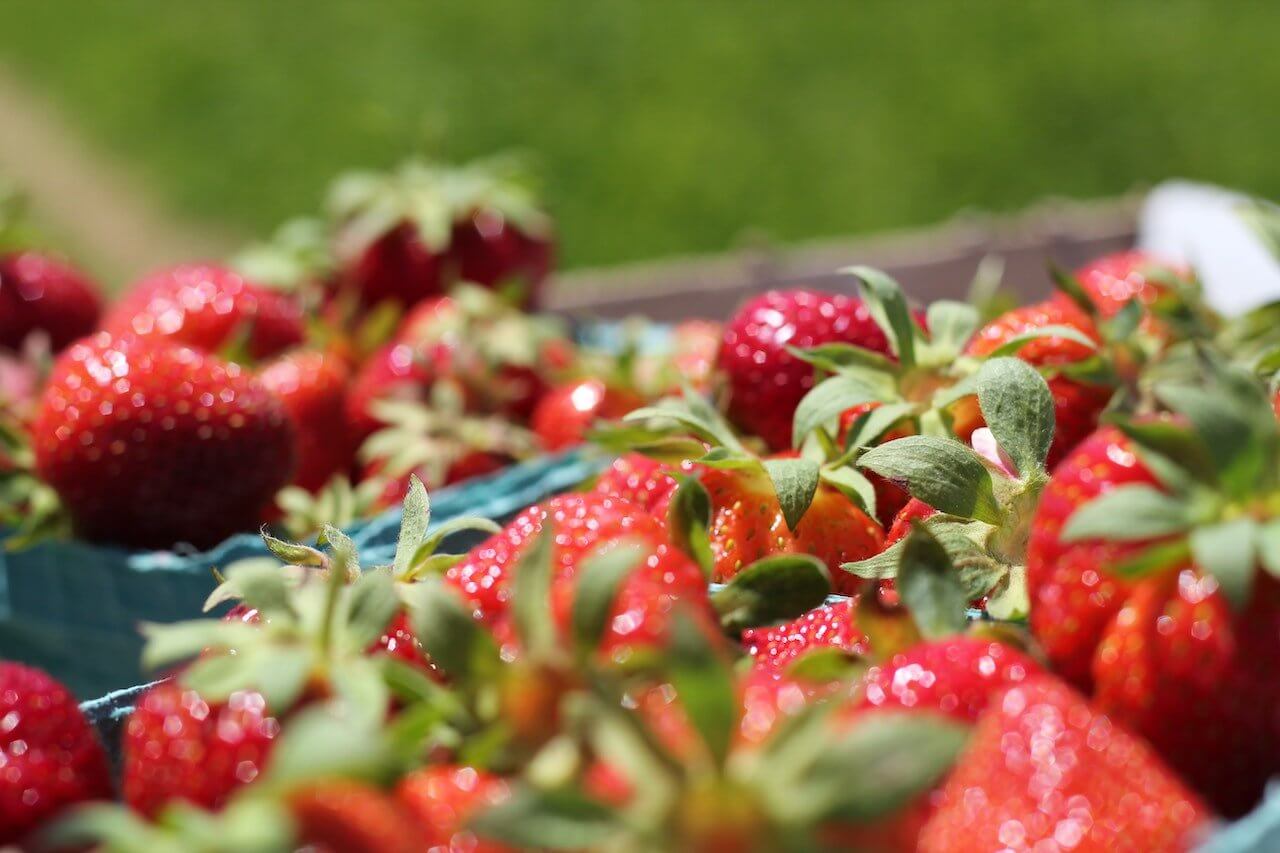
(397, 267)
(581, 523)
(955, 676)
(149, 443)
(50, 757)
(639, 480)
(40, 293)
(394, 372)
(829, 626)
(1044, 771)
(1076, 404)
(1112, 280)
(914, 510)
(177, 746)
(441, 799)
(567, 412)
(748, 524)
(487, 248)
(765, 381)
(208, 307)
(351, 817)
(693, 351)
(312, 385)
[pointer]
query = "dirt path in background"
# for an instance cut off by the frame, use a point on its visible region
(96, 205)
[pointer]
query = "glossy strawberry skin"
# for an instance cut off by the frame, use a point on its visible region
(50, 758)
(582, 523)
(1112, 280)
(177, 746)
(150, 443)
(639, 480)
(487, 249)
(40, 293)
(208, 307)
(1076, 405)
(765, 381)
(312, 385)
(1042, 768)
(567, 412)
(395, 371)
(828, 626)
(1165, 655)
(747, 524)
(397, 267)
(955, 676)
(352, 817)
(441, 799)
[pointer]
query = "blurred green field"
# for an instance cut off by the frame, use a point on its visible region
(668, 127)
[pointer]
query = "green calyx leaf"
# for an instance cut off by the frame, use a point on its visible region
(1071, 287)
(292, 553)
(596, 588)
(370, 604)
(1125, 323)
(854, 485)
(1182, 454)
(837, 357)
(826, 401)
(930, 585)
(1131, 512)
(951, 325)
(771, 590)
(941, 472)
(965, 543)
(1018, 408)
(688, 523)
(888, 305)
(705, 685)
(531, 595)
(827, 664)
(795, 482)
(693, 413)
(455, 641)
(413, 526)
(1229, 551)
(1017, 342)
(1269, 547)
(548, 820)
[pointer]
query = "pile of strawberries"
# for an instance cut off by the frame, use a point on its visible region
(1053, 535)
(305, 381)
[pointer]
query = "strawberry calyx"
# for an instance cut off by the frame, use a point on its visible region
(295, 259)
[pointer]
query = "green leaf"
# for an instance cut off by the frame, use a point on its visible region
(1269, 547)
(291, 552)
(261, 586)
(1017, 342)
(941, 472)
(1239, 438)
(1127, 513)
(795, 482)
(888, 630)
(324, 741)
(1176, 444)
(871, 426)
(837, 356)
(694, 413)
(1071, 287)
(1158, 558)
(930, 586)
(1018, 408)
(704, 684)
(596, 588)
(372, 604)
(1010, 600)
(432, 541)
(770, 590)
(951, 324)
(888, 305)
(413, 525)
(827, 664)
(450, 635)
(881, 763)
(854, 485)
(688, 523)
(1125, 322)
(826, 401)
(1229, 550)
(531, 594)
(363, 691)
(167, 644)
(550, 820)
(344, 558)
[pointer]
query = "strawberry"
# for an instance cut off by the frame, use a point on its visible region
(639, 480)
(149, 443)
(179, 746)
(1045, 771)
(312, 385)
(395, 371)
(765, 381)
(351, 817)
(829, 626)
(567, 412)
(208, 307)
(441, 799)
(955, 676)
(914, 510)
(1076, 404)
(50, 757)
(486, 247)
(1112, 280)
(41, 293)
(397, 267)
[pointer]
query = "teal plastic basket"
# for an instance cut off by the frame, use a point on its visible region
(73, 609)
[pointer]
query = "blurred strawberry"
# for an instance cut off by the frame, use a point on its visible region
(40, 293)
(312, 385)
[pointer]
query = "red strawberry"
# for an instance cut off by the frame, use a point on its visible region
(441, 800)
(312, 384)
(955, 676)
(208, 307)
(765, 381)
(39, 293)
(890, 498)
(1076, 404)
(1044, 771)
(639, 480)
(397, 267)
(396, 371)
(1165, 653)
(914, 510)
(1112, 280)
(151, 443)
(747, 524)
(487, 248)
(564, 415)
(177, 746)
(693, 351)
(581, 523)
(50, 757)
(351, 817)
(829, 626)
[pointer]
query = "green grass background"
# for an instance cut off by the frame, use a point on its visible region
(669, 127)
